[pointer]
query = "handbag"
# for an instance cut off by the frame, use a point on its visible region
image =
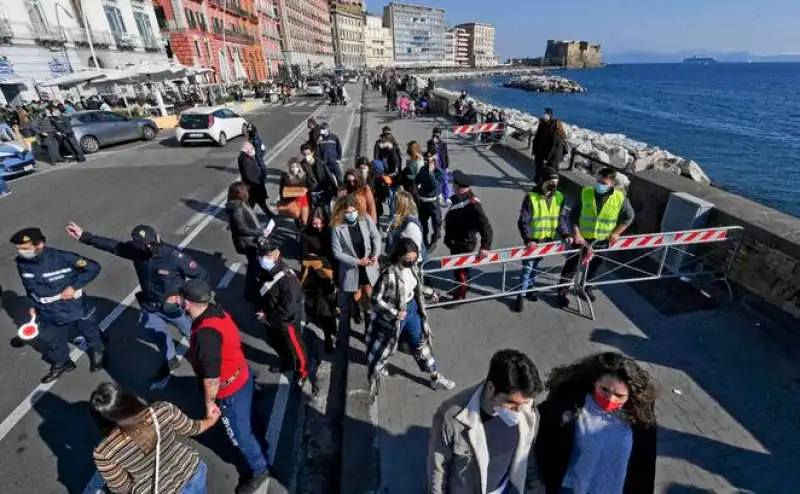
(158, 449)
(294, 191)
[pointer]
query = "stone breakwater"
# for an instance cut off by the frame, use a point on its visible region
(545, 84)
(475, 73)
(618, 150)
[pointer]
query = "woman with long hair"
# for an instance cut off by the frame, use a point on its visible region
(405, 224)
(414, 164)
(140, 452)
(560, 147)
(355, 185)
(597, 431)
(246, 230)
(317, 276)
(295, 189)
(399, 302)
(356, 246)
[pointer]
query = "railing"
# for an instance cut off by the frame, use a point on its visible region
(99, 38)
(6, 33)
(151, 43)
(229, 34)
(126, 41)
(47, 34)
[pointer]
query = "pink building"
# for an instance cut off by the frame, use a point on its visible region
(269, 28)
(306, 33)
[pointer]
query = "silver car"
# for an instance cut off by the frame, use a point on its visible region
(97, 128)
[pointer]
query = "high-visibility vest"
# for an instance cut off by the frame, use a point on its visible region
(234, 371)
(598, 226)
(544, 218)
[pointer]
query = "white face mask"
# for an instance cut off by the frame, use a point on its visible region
(509, 417)
(27, 253)
(546, 117)
(267, 263)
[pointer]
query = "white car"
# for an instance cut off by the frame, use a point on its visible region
(209, 123)
(314, 88)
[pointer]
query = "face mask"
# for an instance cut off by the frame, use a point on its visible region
(549, 187)
(323, 132)
(407, 264)
(384, 145)
(436, 139)
(27, 253)
(317, 227)
(546, 117)
(171, 309)
(267, 263)
(509, 417)
(294, 170)
(601, 188)
(606, 404)
(351, 217)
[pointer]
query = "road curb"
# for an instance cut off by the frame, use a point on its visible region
(360, 472)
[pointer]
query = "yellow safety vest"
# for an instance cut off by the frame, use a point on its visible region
(544, 218)
(596, 226)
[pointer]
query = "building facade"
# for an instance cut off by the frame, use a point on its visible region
(347, 25)
(418, 33)
(450, 47)
(44, 39)
(461, 50)
(480, 44)
(378, 46)
(306, 33)
(573, 54)
(219, 34)
(269, 28)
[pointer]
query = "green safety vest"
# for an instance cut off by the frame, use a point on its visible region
(544, 218)
(596, 226)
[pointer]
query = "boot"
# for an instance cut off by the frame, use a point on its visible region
(562, 300)
(519, 304)
(96, 360)
(57, 371)
(253, 484)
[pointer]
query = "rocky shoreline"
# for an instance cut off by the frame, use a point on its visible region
(618, 150)
(545, 84)
(476, 73)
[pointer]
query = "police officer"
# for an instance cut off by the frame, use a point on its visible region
(330, 151)
(54, 280)
(599, 217)
(62, 123)
(465, 220)
(428, 182)
(215, 352)
(280, 308)
(161, 269)
(538, 222)
(46, 133)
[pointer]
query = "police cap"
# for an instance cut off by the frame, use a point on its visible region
(197, 291)
(30, 234)
(266, 246)
(548, 173)
(462, 179)
(143, 235)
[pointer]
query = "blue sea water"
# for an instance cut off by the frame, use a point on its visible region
(740, 122)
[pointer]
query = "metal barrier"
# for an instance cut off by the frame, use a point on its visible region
(480, 134)
(666, 255)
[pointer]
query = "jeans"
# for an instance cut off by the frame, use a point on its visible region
(155, 326)
(412, 330)
(528, 275)
(58, 337)
(196, 484)
(236, 417)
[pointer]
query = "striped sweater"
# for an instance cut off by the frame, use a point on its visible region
(127, 469)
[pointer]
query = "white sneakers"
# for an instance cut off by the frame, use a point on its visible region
(438, 381)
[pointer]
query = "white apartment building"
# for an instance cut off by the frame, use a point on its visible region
(450, 47)
(481, 44)
(378, 46)
(43, 39)
(348, 36)
(461, 47)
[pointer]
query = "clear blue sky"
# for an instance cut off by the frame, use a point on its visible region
(523, 26)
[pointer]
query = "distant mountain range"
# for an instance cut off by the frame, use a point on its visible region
(677, 57)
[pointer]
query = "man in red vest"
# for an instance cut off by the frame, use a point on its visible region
(215, 352)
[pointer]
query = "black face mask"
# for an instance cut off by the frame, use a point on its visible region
(351, 186)
(407, 264)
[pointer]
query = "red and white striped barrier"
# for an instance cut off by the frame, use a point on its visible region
(689, 237)
(503, 255)
(477, 128)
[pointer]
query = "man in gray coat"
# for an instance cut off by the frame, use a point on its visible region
(481, 438)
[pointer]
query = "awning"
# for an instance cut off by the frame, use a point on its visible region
(13, 82)
(76, 78)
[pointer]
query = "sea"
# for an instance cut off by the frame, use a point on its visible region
(739, 122)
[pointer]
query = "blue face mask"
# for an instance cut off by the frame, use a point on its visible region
(351, 217)
(267, 263)
(601, 188)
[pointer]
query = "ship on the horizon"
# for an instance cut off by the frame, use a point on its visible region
(700, 60)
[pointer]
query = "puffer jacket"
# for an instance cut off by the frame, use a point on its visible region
(245, 227)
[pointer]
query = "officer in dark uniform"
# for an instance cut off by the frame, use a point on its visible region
(280, 308)
(161, 269)
(63, 127)
(329, 151)
(54, 280)
(465, 220)
(46, 133)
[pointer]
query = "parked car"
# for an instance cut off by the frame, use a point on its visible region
(97, 128)
(209, 123)
(314, 88)
(15, 159)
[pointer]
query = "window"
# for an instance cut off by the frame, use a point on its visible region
(36, 13)
(107, 116)
(197, 48)
(143, 25)
(114, 17)
(78, 12)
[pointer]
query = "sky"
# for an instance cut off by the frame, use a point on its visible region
(764, 27)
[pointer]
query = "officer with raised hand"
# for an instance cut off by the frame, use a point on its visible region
(161, 269)
(54, 280)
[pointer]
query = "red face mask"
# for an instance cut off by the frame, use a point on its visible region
(605, 403)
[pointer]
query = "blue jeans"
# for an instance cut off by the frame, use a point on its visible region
(155, 327)
(528, 276)
(236, 417)
(197, 484)
(412, 330)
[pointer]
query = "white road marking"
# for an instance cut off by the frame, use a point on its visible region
(276, 417)
(349, 133)
(36, 394)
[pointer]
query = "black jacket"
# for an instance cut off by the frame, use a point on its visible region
(441, 151)
(281, 304)
(465, 220)
(307, 181)
(245, 228)
(543, 140)
(558, 151)
(553, 449)
(313, 137)
(249, 169)
(391, 158)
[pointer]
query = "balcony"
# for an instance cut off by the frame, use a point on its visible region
(100, 39)
(152, 44)
(126, 42)
(232, 7)
(47, 35)
(6, 33)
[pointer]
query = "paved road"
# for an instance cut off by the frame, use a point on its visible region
(45, 434)
(730, 382)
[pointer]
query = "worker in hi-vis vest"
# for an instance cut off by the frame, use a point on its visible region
(600, 216)
(538, 223)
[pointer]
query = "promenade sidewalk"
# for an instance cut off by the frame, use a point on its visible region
(730, 385)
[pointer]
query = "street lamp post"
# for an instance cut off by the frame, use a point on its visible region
(61, 30)
(88, 33)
